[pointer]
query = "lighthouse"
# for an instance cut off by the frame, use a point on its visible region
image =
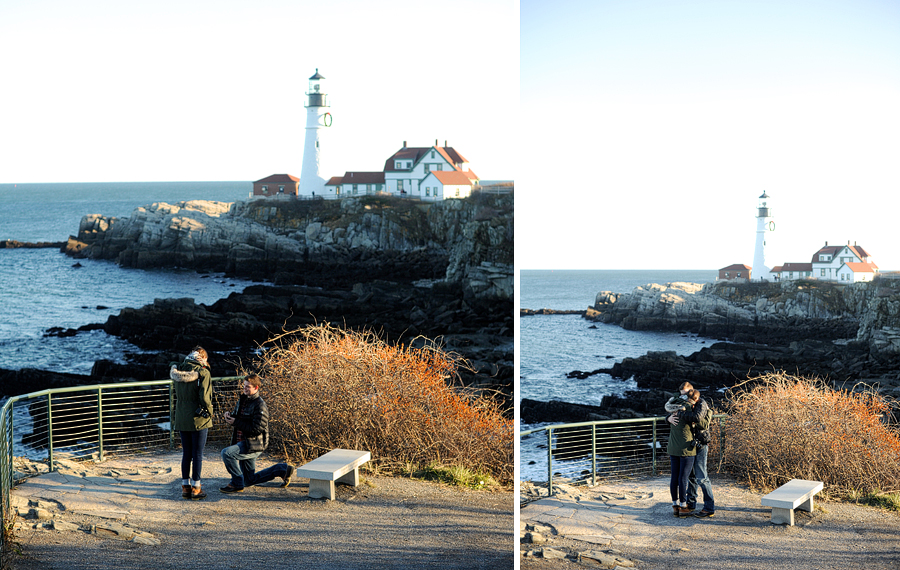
(764, 224)
(318, 119)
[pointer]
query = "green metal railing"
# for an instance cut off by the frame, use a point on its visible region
(93, 421)
(609, 450)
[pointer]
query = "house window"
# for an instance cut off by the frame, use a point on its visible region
(438, 167)
(428, 190)
(432, 154)
(354, 189)
(399, 186)
(265, 189)
(281, 189)
(457, 192)
(427, 168)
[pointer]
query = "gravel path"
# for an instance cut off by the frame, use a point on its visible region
(634, 521)
(385, 522)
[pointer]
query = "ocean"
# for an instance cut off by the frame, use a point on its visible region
(43, 288)
(551, 346)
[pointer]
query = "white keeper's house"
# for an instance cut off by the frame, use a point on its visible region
(841, 263)
(428, 173)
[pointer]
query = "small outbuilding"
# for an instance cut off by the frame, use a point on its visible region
(276, 185)
(734, 271)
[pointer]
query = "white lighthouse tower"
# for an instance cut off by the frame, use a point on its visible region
(317, 120)
(764, 224)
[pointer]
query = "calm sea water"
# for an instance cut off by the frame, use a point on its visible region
(551, 346)
(40, 288)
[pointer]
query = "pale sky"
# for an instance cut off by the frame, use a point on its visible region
(174, 90)
(651, 127)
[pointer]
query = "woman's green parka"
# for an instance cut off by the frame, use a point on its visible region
(193, 389)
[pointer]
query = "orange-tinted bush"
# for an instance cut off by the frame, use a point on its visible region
(784, 427)
(328, 388)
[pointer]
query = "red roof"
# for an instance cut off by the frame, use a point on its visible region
(735, 267)
(862, 267)
(453, 177)
(793, 267)
(278, 178)
(416, 153)
(833, 249)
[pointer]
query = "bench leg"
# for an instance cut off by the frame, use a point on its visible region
(320, 489)
(783, 516)
(350, 478)
(807, 506)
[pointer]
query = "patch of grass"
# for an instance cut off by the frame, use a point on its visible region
(875, 498)
(456, 475)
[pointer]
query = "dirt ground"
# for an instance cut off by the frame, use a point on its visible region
(385, 522)
(836, 535)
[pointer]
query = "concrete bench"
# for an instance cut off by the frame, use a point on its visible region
(336, 466)
(795, 494)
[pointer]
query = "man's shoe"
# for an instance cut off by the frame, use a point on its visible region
(197, 494)
(287, 476)
(705, 513)
(684, 512)
(676, 509)
(229, 488)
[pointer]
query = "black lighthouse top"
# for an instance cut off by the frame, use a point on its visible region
(316, 94)
(763, 209)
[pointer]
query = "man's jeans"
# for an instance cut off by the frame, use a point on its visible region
(240, 464)
(242, 467)
(699, 476)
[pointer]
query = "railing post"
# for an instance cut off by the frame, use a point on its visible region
(50, 431)
(171, 414)
(593, 455)
(550, 461)
(655, 444)
(100, 421)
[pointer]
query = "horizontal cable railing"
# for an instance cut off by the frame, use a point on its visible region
(609, 450)
(94, 421)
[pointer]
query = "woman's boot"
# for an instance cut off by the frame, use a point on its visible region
(197, 493)
(186, 491)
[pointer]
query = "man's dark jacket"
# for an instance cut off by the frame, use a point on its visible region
(253, 423)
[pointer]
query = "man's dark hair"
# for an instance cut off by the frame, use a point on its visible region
(253, 379)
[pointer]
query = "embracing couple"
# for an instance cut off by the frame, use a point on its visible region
(688, 447)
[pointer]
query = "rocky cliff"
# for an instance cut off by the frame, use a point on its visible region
(772, 313)
(469, 242)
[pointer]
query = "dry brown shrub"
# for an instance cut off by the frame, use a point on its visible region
(328, 388)
(784, 427)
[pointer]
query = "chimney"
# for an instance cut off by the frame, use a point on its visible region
(445, 144)
(435, 142)
(404, 144)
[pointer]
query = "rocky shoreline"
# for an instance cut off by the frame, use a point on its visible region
(843, 334)
(400, 269)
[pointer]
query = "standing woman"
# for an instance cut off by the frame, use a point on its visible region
(681, 451)
(193, 416)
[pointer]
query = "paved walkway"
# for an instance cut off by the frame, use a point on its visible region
(129, 513)
(633, 522)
